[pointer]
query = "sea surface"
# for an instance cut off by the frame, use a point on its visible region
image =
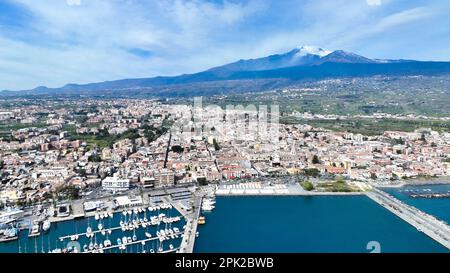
(50, 240)
(438, 207)
(317, 224)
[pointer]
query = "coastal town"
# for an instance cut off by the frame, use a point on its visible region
(117, 145)
(72, 155)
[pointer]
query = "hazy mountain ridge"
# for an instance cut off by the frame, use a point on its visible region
(298, 64)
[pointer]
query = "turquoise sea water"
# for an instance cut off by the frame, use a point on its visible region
(49, 241)
(317, 224)
(438, 207)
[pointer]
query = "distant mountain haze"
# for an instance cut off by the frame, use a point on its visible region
(305, 62)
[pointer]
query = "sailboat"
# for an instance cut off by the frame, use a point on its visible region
(143, 249)
(134, 236)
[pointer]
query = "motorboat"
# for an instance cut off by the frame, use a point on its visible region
(46, 225)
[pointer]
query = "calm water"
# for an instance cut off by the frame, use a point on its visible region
(49, 240)
(438, 207)
(307, 224)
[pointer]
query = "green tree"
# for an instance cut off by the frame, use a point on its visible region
(312, 172)
(307, 185)
(216, 145)
(315, 159)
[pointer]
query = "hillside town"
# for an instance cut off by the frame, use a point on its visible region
(47, 147)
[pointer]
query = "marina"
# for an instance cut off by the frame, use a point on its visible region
(159, 228)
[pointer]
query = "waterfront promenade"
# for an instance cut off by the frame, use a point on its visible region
(259, 189)
(432, 227)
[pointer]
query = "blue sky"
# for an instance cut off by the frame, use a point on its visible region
(54, 42)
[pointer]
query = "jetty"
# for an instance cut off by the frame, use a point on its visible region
(429, 225)
(137, 242)
(431, 195)
(187, 244)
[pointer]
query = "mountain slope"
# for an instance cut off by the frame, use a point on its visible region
(298, 64)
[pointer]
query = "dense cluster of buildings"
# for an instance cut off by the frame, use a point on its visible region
(115, 145)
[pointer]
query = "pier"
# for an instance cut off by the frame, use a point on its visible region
(97, 231)
(140, 243)
(432, 227)
(187, 244)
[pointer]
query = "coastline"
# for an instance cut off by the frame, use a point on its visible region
(294, 194)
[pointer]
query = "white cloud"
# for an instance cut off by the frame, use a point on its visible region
(102, 39)
(73, 2)
(373, 2)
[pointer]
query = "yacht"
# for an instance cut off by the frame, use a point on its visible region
(34, 230)
(10, 234)
(148, 235)
(207, 207)
(119, 241)
(134, 238)
(171, 247)
(46, 225)
(97, 217)
(100, 226)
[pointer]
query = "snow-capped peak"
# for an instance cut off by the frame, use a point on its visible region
(305, 50)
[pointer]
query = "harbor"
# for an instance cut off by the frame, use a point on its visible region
(158, 222)
(180, 221)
